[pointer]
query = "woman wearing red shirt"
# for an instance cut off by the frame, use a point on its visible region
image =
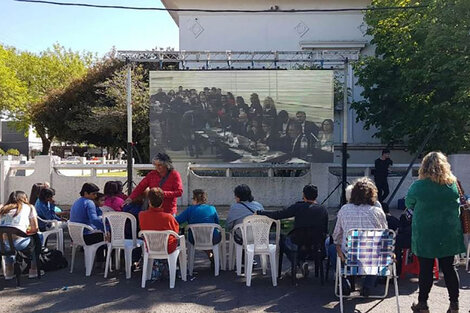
(165, 177)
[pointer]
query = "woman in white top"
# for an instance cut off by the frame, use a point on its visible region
(18, 213)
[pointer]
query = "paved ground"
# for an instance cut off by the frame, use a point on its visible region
(61, 291)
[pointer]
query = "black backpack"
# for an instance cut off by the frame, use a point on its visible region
(51, 260)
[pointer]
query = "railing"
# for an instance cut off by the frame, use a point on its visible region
(275, 184)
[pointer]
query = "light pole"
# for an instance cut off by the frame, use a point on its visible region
(344, 163)
(129, 127)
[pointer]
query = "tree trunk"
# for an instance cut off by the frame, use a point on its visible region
(46, 142)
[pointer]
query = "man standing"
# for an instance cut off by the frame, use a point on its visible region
(381, 173)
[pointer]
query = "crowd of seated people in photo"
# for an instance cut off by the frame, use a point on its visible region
(185, 111)
(153, 203)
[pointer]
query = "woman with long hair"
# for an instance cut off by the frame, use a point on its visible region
(18, 213)
(436, 228)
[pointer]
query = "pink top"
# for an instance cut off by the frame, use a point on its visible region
(114, 203)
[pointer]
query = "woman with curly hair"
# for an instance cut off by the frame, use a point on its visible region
(436, 228)
(361, 212)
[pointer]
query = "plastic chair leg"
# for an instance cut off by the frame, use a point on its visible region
(144, 270)
(239, 252)
(128, 261)
(223, 256)
(61, 241)
(108, 260)
(272, 259)
(192, 254)
(264, 263)
(183, 265)
(74, 248)
(172, 267)
(118, 258)
(248, 267)
(215, 251)
(89, 259)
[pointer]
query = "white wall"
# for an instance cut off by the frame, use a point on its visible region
(271, 191)
(263, 32)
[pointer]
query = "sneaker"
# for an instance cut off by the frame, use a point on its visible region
(420, 307)
(304, 269)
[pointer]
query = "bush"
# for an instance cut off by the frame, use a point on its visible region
(14, 152)
(2, 152)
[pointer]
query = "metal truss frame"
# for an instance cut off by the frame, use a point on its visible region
(207, 60)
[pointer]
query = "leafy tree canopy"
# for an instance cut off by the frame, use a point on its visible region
(26, 78)
(419, 75)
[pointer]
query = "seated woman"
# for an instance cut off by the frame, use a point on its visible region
(360, 212)
(200, 212)
(45, 207)
(112, 198)
(18, 213)
(85, 211)
(245, 206)
(156, 219)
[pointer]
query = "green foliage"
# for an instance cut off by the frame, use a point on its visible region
(2, 152)
(14, 152)
(419, 75)
(93, 108)
(26, 78)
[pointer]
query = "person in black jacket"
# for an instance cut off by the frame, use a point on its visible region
(308, 216)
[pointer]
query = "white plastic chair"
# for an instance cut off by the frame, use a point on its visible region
(202, 235)
(117, 224)
(368, 252)
(156, 248)
(235, 251)
(76, 234)
(105, 209)
(256, 231)
(55, 229)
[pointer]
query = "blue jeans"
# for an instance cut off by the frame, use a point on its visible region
(20, 244)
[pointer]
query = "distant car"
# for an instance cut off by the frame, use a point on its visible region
(73, 158)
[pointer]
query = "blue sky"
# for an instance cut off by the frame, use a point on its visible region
(35, 27)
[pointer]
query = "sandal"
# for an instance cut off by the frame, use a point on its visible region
(420, 307)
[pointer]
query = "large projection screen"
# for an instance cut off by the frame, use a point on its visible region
(242, 116)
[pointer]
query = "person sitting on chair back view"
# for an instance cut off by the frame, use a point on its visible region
(309, 217)
(155, 218)
(361, 212)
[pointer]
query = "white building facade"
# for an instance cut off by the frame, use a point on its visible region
(286, 31)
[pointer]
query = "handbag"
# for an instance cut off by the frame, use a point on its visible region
(464, 210)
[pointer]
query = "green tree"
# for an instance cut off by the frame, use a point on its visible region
(12, 90)
(93, 109)
(65, 112)
(419, 75)
(30, 77)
